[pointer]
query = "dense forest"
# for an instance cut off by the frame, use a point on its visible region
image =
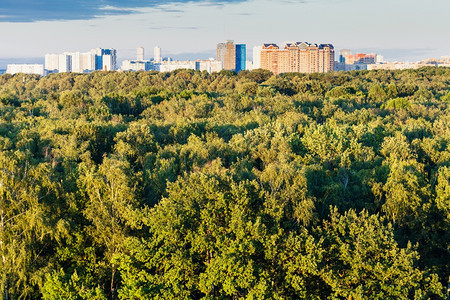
(189, 185)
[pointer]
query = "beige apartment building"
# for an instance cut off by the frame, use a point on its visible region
(274, 59)
(297, 57)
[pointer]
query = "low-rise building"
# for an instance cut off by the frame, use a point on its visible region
(169, 66)
(25, 69)
(137, 65)
(397, 66)
(209, 65)
(359, 61)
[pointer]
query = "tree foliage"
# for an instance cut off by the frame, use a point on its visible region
(189, 185)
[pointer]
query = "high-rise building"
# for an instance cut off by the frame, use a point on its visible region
(241, 57)
(233, 57)
(303, 57)
(297, 57)
(140, 54)
(76, 62)
(110, 55)
(226, 53)
(87, 62)
(98, 52)
(313, 58)
(257, 57)
(108, 62)
(326, 58)
(109, 58)
(272, 58)
(82, 62)
(96, 59)
(52, 62)
(65, 62)
(157, 54)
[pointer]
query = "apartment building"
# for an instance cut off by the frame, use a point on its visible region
(297, 57)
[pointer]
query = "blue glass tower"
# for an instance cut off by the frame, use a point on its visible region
(241, 57)
(98, 62)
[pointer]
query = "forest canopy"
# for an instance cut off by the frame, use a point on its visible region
(189, 185)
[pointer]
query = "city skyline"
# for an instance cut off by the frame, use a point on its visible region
(299, 57)
(400, 30)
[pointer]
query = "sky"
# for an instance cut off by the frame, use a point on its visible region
(400, 30)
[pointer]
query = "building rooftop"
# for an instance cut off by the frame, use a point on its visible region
(321, 46)
(271, 45)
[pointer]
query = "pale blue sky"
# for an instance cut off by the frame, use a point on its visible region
(397, 29)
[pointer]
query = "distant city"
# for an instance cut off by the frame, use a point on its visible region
(301, 57)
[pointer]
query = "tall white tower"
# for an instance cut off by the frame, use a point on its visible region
(157, 54)
(65, 62)
(140, 54)
(257, 57)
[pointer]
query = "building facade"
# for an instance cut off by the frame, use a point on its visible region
(297, 57)
(355, 62)
(397, 66)
(140, 54)
(109, 59)
(326, 58)
(157, 55)
(82, 62)
(137, 65)
(257, 57)
(105, 59)
(52, 62)
(169, 66)
(65, 63)
(25, 69)
(96, 59)
(273, 58)
(226, 53)
(108, 62)
(233, 56)
(360, 58)
(209, 65)
(241, 57)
